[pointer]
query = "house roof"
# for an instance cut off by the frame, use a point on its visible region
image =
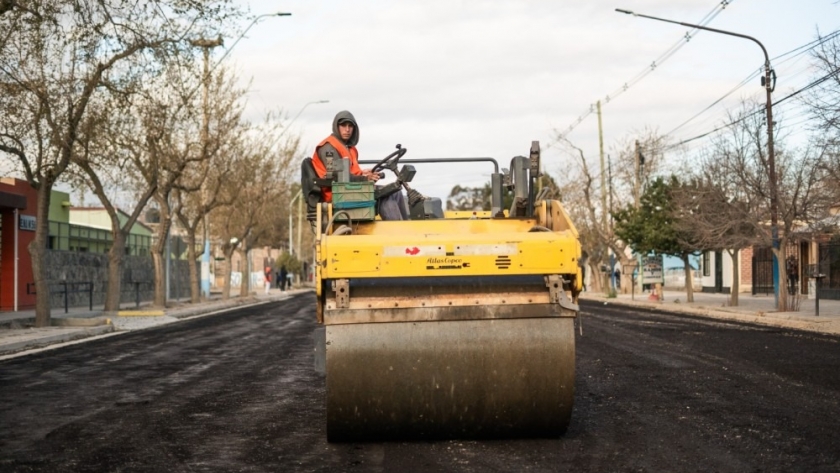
(103, 209)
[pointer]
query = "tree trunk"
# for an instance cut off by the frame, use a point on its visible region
(160, 279)
(229, 265)
(596, 278)
(245, 287)
(626, 276)
(158, 250)
(734, 288)
(191, 257)
(689, 279)
(781, 257)
(37, 252)
(115, 260)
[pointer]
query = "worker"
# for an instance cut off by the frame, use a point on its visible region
(342, 144)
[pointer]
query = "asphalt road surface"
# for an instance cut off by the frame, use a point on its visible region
(237, 392)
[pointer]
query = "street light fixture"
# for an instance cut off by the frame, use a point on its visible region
(304, 108)
(771, 155)
(253, 22)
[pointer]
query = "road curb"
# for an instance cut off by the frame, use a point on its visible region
(828, 327)
(76, 333)
(76, 330)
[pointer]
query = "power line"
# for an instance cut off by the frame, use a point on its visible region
(813, 84)
(799, 50)
(653, 65)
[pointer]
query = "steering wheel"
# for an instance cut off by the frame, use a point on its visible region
(391, 161)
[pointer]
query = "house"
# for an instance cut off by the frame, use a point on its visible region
(815, 249)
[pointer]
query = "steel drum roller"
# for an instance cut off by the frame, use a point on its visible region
(450, 379)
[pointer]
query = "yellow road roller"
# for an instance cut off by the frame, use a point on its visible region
(447, 324)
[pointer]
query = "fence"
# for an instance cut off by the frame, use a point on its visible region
(829, 267)
(762, 271)
(65, 289)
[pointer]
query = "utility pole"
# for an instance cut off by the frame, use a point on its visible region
(206, 45)
(603, 167)
(300, 227)
(603, 186)
(637, 197)
(609, 175)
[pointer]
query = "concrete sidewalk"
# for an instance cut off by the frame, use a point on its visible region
(18, 336)
(754, 309)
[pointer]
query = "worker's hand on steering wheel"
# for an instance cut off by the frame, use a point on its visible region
(371, 176)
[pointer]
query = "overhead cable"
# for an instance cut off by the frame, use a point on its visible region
(653, 65)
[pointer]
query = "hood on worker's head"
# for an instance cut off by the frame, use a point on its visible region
(345, 116)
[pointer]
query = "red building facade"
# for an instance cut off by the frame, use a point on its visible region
(18, 204)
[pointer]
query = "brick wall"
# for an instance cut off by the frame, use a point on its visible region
(746, 269)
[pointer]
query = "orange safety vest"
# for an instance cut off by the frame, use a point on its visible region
(346, 153)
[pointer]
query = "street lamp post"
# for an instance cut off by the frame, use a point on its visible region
(771, 155)
(291, 203)
(298, 195)
(304, 108)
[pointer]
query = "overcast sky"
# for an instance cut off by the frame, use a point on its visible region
(470, 78)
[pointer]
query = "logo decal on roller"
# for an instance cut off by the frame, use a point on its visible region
(412, 251)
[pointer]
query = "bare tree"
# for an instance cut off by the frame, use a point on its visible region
(56, 59)
(219, 160)
(105, 159)
(255, 192)
(162, 147)
(823, 101)
(624, 183)
(710, 214)
(737, 180)
(824, 98)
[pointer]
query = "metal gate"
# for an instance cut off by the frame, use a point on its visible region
(762, 270)
(829, 265)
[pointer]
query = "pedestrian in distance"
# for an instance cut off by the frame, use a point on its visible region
(283, 277)
(341, 144)
(792, 267)
(267, 279)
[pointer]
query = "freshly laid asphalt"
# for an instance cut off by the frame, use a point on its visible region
(237, 391)
(18, 336)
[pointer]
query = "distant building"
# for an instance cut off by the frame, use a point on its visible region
(89, 230)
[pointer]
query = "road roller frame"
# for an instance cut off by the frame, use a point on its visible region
(454, 327)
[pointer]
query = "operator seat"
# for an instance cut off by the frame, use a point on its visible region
(310, 185)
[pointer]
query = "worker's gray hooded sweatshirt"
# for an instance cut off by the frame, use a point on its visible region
(342, 116)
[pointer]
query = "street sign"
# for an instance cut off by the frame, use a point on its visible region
(27, 222)
(652, 269)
